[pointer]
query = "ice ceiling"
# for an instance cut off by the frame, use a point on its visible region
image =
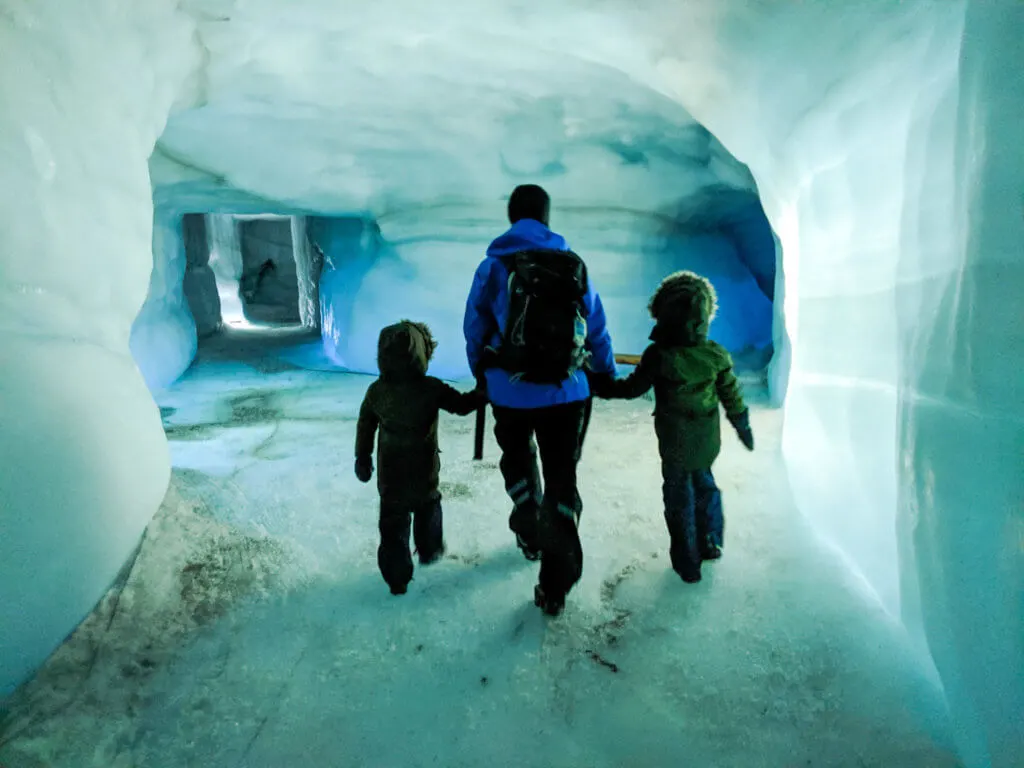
(883, 137)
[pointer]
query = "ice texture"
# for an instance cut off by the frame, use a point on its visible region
(199, 283)
(309, 265)
(408, 264)
(961, 432)
(902, 262)
(226, 263)
(164, 336)
(83, 459)
(883, 138)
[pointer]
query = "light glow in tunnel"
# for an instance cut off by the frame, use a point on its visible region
(881, 139)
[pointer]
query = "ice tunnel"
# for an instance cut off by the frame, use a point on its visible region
(358, 271)
(882, 142)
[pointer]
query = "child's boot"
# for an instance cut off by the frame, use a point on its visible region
(689, 573)
(552, 606)
(428, 532)
(683, 550)
(685, 562)
(393, 556)
(710, 550)
(432, 557)
(710, 522)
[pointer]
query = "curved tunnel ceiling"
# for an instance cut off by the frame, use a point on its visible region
(415, 124)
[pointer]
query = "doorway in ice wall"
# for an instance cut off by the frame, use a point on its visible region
(250, 270)
(268, 285)
(251, 282)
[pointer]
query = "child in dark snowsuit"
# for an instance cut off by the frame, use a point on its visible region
(691, 376)
(403, 403)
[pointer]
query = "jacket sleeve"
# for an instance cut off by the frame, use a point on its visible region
(599, 341)
(366, 426)
(460, 403)
(728, 387)
(479, 323)
(638, 382)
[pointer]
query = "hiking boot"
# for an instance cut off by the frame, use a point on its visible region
(710, 551)
(523, 522)
(550, 605)
(529, 553)
(399, 589)
(434, 557)
(690, 575)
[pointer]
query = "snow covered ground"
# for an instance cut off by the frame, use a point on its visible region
(254, 629)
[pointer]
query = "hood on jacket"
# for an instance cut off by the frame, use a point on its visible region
(683, 307)
(524, 235)
(404, 350)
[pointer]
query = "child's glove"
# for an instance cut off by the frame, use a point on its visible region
(364, 469)
(741, 423)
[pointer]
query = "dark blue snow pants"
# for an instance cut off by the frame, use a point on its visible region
(545, 520)
(393, 556)
(693, 513)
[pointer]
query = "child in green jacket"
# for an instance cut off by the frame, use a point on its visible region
(690, 376)
(402, 408)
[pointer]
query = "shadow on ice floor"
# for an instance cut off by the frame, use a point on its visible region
(254, 631)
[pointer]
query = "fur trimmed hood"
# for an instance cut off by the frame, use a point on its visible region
(683, 307)
(404, 350)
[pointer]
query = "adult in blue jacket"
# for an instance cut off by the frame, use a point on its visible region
(528, 415)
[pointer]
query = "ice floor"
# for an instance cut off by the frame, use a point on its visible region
(254, 630)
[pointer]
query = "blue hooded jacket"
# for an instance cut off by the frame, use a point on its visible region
(487, 314)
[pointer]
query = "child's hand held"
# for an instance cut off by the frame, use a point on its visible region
(364, 469)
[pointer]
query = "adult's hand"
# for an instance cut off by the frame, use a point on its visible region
(489, 359)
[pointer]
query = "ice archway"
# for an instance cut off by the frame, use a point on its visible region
(884, 138)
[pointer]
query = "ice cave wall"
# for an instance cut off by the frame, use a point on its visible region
(412, 266)
(199, 282)
(309, 262)
(869, 139)
(961, 431)
(164, 334)
(83, 458)
(846, 197)
(894, 182)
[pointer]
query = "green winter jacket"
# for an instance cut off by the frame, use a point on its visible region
(403, 405)
(689, 382)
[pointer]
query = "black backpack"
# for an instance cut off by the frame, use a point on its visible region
(546, 332)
